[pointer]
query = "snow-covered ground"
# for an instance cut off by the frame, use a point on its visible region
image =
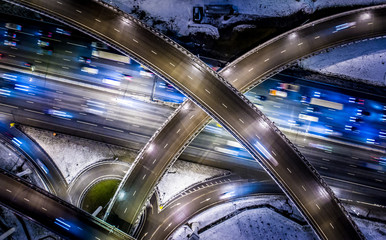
(72, 154)
(251, 218)
(181, 175)
(176, 15)
(363, 61)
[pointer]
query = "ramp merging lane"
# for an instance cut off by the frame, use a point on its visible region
(259, 136)
(53, 213)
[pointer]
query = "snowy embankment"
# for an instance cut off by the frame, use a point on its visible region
(182, 175)
(72, 154)
(363, 61)
(262, 217)
(176, 16)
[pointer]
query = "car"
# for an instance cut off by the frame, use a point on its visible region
(90, 70)
(127, 77)
(13, 26)
(84, 59)
(278, 93)
(62, 31)
(197, 14)
(356, 119)
(363, 112)
(44, 33)
(9, 34)
(356, 100)
(289, 87)
(29, 65)
(10, 43)
(42, 43)
(261, 97)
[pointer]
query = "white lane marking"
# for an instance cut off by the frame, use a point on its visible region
(153, 52)
(59, 2)
(172, 64)
(116, 30)
(351, 165)
(324, 168)
(65, 67)
(332, 226)
(241, 120)
(317, 37)
(29, 110)
(257, 136)
(143, 176)
(354, 157)
(38, 61)
(154, 161)
(125, 210)
(30, 102)
(207, 90)
(178, 130)
(175, 205)
(283, 51)
(87, 123)
(78, 11)
(370, 23)
(352, 174)
(289, 170)
(97, 238)
(168, 226)
(225, 106)
(190, 77)
(10, 55)
(205, 200)
(325, 159)
(250, 69)
(65, 59)
(25, 199)
(78, 45)
(8, 190)
(300, 44)
(68, 51)
(135, 40)
(8, 105)
(378, 180)
(134, 192)
(235, 80)
(166, 145)
(191, 116)
(266, 60)
(45, 209)
(317, 206)
(273, 153)
(304, 188)
(96, 19)
(113, 129)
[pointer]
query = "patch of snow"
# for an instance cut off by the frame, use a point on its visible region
(181, 175)
(176, 15)
(72, 154)
(264, 223)
(365, 60)
(194, 28)
(242, 27)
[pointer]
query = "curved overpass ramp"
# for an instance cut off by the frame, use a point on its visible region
(224, 103)
(52, 212)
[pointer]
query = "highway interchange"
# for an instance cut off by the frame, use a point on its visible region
(190, 115)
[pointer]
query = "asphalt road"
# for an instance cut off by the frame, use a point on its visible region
(46, 167)
(93, 174)
(232, 112)
(53, 213)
